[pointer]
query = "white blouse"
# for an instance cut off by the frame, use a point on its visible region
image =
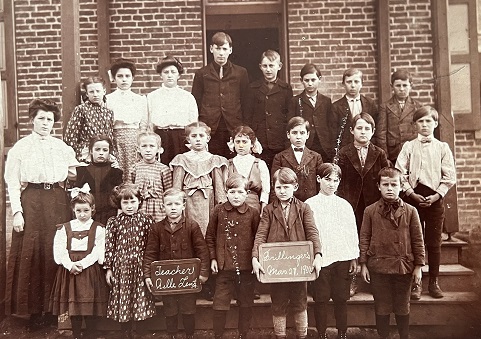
(336, 223)
(171, 107)
(37, 159)
(60, 252)
(243, 165)
(130, 109)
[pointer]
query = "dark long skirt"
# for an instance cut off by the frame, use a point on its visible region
(31, 268)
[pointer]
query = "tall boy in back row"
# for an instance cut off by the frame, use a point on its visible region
(220, 89)
(427, 165)
(346, 108)
(394, 125)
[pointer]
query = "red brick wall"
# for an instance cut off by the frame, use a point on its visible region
(335, 35)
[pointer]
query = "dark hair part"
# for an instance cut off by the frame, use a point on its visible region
(169, 61)
(401, 74)
(196, 124)
(101, 137)
(83, 198)
(235, 180)
(284, 175)
(271, 55)
(220, 38)
(46, 105)
(390, 172)
(123, 63)
(245, 131)
(172, 192)
(350, 72)
(425, 111)
(297, 121)
(124, 191)
(364, 116)
(327, 168)
(93, 80)
(310, 68)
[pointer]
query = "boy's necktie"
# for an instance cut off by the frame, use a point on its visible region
(221, 72)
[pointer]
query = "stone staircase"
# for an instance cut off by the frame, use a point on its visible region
(456, 281)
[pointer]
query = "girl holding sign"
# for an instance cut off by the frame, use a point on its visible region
(336, 223)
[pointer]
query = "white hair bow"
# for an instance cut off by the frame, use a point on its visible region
(75, 191)
(256, 148)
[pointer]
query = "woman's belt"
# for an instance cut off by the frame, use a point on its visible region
(43, 185)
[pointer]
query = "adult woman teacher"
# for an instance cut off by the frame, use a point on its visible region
(36, 167)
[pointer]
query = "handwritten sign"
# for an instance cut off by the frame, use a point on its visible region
(175, 276)
(287, 261)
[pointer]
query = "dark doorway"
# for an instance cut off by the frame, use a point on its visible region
(252, 34)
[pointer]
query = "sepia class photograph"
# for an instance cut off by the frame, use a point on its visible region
(272, 169)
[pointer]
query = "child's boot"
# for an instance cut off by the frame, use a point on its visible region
(382, 325)
(219, 323)
(245, 315)
(189, 325)
(434, 289)
(416, 291)
(402, 322)
(341, 335)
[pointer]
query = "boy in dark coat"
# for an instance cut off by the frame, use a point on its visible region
(268, 106)
(220, 89)
(303, 161)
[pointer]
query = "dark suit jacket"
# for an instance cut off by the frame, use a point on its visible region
(273, 226)
(357, 180)
(306, 171)
(319, 118)
(267, 112)
(394, 127)
(224, 97)
(340, 109)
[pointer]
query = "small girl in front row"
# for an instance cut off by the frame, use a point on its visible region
(100, 176)
(200, 174)
(79, 288)
(151, 175)
(89, 119)
(125, 243)
(253, 169)
(336, 223)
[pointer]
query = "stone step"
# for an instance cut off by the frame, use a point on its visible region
(452, 278)
(448, 311)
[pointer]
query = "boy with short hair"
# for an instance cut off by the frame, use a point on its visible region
(315, 108)
(428, 169)
(220, 89)
(268, 106)
(230, 238)
(360, 161)
(394, 125)
(391, 253)
(287, 219)
(303, 161)
(176, 237)
(347, 107)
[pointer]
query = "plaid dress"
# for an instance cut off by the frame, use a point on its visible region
(153, 179)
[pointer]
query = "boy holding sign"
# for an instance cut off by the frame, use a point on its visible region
(287, 219)
(176, 237)
(230, 238)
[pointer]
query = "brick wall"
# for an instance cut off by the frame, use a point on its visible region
(335, 35)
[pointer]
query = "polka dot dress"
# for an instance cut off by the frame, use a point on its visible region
(125, 244)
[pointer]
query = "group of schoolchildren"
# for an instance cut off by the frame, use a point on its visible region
(337, 184)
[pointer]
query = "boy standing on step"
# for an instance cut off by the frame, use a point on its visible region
(427, 165)
(391, 253)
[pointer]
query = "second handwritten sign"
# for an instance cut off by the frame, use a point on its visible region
(287, 261)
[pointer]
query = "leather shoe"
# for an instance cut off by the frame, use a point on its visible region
(433, 288)
(416, 292)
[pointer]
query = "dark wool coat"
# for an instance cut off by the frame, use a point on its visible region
(388, 249)
(306, 171)
(224, 97)
(273, 226)
(267, 112)
(319, 118)
(340, 109)
(356, 180)
(243, 222)
(184, 242)
(395, 126)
